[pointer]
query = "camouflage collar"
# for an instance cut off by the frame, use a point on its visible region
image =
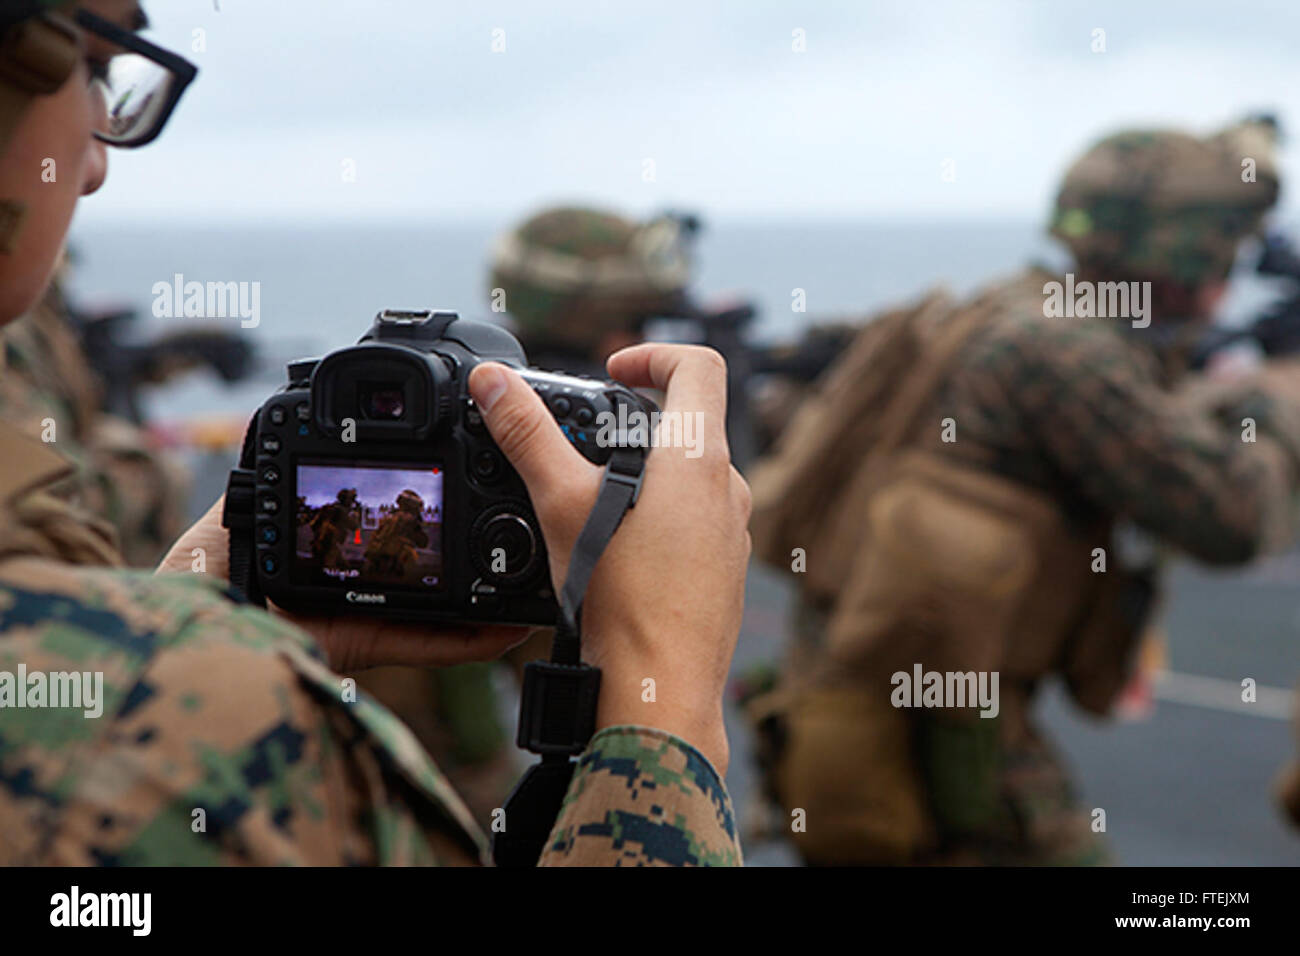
(26, 464)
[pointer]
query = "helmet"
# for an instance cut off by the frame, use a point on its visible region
(571, 275)
(1163, 204)
(410, 502)
(347, 496)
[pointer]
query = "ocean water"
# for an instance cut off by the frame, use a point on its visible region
(320, 286)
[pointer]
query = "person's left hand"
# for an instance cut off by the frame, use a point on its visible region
(352, 642)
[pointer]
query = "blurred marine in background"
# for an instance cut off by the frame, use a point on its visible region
(972, 501)
(580, 283)
(50, 392)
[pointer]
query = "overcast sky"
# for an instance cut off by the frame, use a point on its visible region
(735, 122)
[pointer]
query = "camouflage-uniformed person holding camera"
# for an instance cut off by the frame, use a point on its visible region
(958, 485)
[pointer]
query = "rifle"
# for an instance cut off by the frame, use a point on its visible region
(125, 366)
(1277, 330)
(724, 329)
(801, 361)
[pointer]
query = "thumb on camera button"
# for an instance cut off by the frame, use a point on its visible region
(487, 383)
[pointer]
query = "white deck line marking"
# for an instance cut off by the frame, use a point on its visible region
(1216, 693)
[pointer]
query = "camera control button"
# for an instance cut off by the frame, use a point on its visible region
(277, 415)
(269, 564)
(269, 475)
(303, 411)
(270, 444)
(487, 464)
(474, 419)
(506, 546)
(561, 406)
(268, 534)
(269, 505)
(584, 415)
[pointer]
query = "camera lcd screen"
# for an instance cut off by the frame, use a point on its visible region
(368, 526)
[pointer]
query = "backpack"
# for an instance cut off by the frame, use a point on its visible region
(809, 493)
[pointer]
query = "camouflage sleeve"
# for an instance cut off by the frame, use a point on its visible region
(642, 797)
(1131, 449)
(218, 737)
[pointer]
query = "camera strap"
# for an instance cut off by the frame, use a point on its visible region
(557, 711)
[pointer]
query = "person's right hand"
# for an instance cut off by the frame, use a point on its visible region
(666, 600)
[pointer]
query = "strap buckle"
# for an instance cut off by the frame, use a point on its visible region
(626, 466)
(557, 708)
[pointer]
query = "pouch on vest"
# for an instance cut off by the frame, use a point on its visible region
(847, 763)
(946, 558)
(959, 759)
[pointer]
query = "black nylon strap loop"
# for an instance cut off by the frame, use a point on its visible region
(531, 811)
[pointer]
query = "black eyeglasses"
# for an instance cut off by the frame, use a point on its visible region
(141, 85)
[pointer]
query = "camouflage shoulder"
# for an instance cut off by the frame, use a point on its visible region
(400, 748)
(643, 797)
(217, 735)
(1022, 340)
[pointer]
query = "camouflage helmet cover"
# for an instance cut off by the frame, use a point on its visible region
(570, 275)
(1163, 204)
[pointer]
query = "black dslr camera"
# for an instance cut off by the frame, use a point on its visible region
(370, 482)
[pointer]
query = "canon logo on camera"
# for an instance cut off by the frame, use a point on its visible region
(363, 597)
